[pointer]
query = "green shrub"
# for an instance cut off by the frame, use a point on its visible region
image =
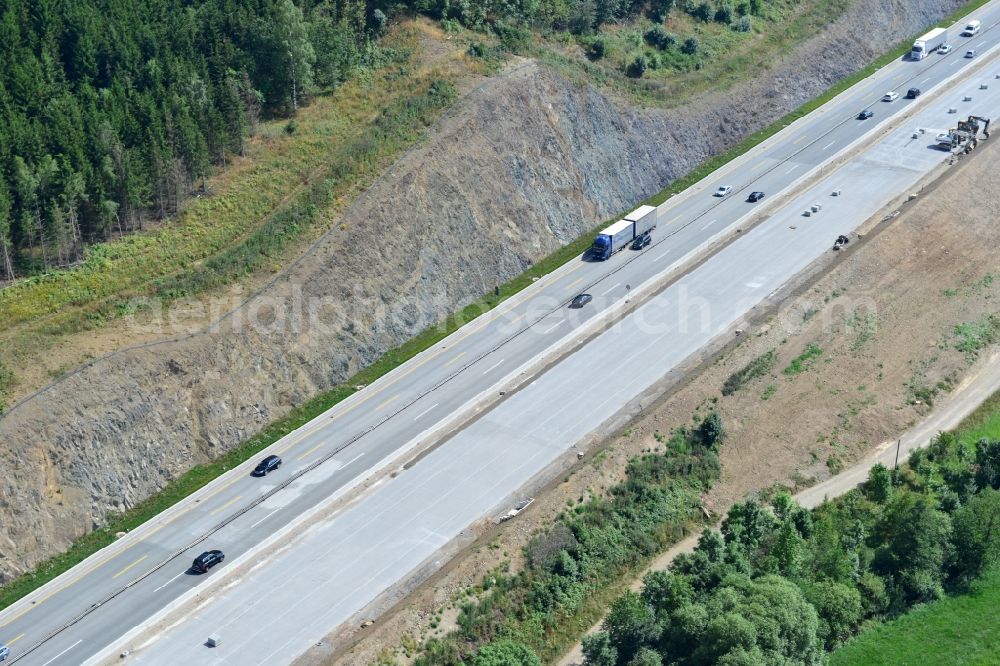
(597, 48)
(638, 67)
(758, 367)
(805, 360)
(659, 38)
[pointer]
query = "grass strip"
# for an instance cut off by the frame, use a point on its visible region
(199, 476)
(963, 629)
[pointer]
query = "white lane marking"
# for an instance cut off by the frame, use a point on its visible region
(793, 168)
(612, 288)
(425, 411)
(493, 367)
(828, 145)
(925, 80)
(63, 652)
(354, 459)
(663, 255)
(548, 330)
(175, 577)
(755, 285)
(263, 519)
(709, 224)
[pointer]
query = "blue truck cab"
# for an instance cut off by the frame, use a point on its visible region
(620, 234)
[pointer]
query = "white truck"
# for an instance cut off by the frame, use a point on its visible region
(929, 43)
(971, 28)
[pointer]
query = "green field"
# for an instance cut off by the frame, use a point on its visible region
(963, 629)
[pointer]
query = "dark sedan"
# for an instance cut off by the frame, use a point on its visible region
(641, 241)
(268, 464)
(755, 197)
(207, 560)
(581, 300)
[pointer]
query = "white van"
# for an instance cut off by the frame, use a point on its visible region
(971, 28)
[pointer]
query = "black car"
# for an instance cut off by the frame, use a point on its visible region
(581, 300)
(755, 197)
(913, 93)
(207, 560)
(641, 241)
(866, 114)
(268, 464)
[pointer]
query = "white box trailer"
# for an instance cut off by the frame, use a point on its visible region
(644, 218)
(929, 43)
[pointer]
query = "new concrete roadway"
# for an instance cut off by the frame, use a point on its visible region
(341, 565)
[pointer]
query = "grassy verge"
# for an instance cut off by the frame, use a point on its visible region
(983, 422)
(964, 629)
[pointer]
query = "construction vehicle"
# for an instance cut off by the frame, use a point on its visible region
(965, 135)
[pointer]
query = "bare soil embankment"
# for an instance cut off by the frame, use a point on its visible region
(524, 164)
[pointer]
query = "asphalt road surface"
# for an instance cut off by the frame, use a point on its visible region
(337, 569)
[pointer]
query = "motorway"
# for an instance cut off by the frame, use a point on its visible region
(342, 565)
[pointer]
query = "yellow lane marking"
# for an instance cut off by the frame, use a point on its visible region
(130, 566)
(15, 639)
(574, 282)
(224, 506)
(387, 401)
(457, 356)
(799, 140)
(360, 401)
(220, 489)
(674, 219)
(309, 452)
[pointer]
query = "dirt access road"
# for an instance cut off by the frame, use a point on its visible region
(898, 322)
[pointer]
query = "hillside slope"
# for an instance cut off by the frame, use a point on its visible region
(526, 163)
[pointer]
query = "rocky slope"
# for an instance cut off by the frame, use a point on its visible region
(524, 164)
